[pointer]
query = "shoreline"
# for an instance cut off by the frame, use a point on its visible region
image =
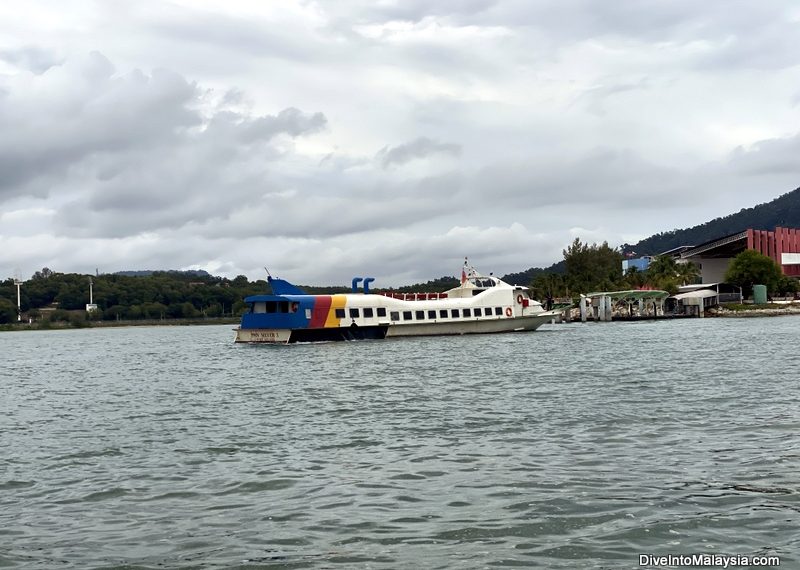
(36, 326)
(724, 313)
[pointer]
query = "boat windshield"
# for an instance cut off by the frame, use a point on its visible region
(274, 307)
(482, 282)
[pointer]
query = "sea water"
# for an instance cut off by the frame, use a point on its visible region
(576, 446)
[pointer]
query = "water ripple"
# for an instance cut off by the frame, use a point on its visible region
(579, 446)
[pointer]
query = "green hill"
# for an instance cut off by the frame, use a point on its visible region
(783, 211)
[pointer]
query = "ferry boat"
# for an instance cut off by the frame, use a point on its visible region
(480, 304)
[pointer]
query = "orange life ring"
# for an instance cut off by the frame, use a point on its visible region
(508, 311)
(519, 299)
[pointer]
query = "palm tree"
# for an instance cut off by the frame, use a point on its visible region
(634, 279)
(688, 272)
(662, 267)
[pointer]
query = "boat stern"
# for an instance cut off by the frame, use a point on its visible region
(265, 336)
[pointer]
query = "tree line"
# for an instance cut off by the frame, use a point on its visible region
(590, 268)
(159, 295)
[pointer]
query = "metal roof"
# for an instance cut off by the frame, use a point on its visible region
(698, 294)
(728, 246)
(631, 294)
(684, 288)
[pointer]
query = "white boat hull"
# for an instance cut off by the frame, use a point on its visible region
(431, 328)
(527, 323)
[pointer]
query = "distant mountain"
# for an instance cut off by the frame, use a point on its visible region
(783, 211)
(525, 277)
(171, 272)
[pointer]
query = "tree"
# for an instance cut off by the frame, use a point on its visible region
(635, 279)
(753, 268)
(666, 273)
(8, 311)
(73, 296)
(662, 267)
(547, 286)
(592, 267)
(45, 273)
(688, 273)
(788, 285)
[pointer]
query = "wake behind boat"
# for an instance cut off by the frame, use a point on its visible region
(481, 304)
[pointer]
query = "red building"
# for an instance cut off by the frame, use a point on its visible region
(713, 257)
(782, 245)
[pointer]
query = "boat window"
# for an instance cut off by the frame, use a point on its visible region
(467, 312)
(406, 315)
(431, 314)
(420, 315)
(442, 313)
(283, 307)
(454, 313)
(339, 313)
(498, 311)
(368, 313)
(478, 312)
(293, 308)
(394, 315)
(382, 313)
(259, 307)
(354, 314)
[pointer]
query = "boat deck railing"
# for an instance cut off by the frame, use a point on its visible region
(414, 296)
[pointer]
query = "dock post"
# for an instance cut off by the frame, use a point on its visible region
(609, 316)
(582, 305)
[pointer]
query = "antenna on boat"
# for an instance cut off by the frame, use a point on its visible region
(268, 273)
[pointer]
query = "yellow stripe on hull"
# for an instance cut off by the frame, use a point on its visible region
(337, 302)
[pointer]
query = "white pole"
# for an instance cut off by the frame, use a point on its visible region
(19, 304)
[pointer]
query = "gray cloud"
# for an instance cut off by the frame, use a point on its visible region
(416, 10)
(242, 35)
(595, 97)
(33, 58)
(419, 148)
(222, 130)
(136, 143)
(768, 157)
(79, 110)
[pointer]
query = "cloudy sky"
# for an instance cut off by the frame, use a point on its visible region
(388, 138)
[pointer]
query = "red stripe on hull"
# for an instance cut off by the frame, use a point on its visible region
(319, 313)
